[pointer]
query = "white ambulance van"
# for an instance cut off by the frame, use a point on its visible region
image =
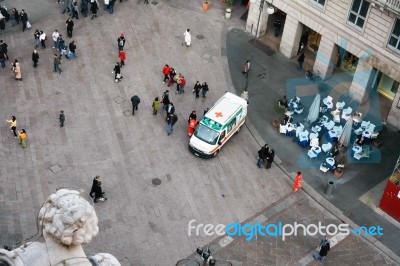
(217, 126)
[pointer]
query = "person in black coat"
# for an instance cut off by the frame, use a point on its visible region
(2, 25)
(262, 155)
(70, 27)
(135, 103)
(84, 7)
(277, 26)
(197, 88)
(270, 158)
(93, 8)
(96, 180)
(117, 72)
(35, 58)
(324, 248)
(192, 115)
(97, 190)
(121, 42)
(24, 19)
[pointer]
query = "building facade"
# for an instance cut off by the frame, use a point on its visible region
(360, 37)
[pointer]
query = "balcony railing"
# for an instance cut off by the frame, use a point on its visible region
(390, 5)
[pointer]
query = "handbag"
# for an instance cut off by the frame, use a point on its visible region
(119, 76)
(28, 25)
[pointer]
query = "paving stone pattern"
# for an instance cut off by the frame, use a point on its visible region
(140, 224)
(353, 250)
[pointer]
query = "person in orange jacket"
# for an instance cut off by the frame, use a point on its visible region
(166, 70)
(182, 83)
(122, 57)
(297, 182)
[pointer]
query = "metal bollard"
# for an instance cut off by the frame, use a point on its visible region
(329, 188)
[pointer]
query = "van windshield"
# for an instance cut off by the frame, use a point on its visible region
(206, 134)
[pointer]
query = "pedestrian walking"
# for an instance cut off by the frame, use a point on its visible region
(13, 125)
(74, 9)
(2, 24)
(192, 115)
(66, 6)
(106, 4)
(262, 155)
(135, 103)
(60, 42)
(4, 49)
(22, 137)
(171, 120)
(191, 127)
(165, 100)
(182, 84)
(17, 72)
(270, 158)
(35, 58)
(196, 89)
(324, 247)
(277, 26)
(172, 74)
(156, 106)
(121, 42)
(54, 36)
(188, 38)
(297, 182)
(14, 17)
(204, 90)
(70, 27)
(111, 6)
(61, 118)
(93, 8)
(170, 109)
(85, 7)
(246, 68)
(166, 70)
(300, 61)
(23, 16)
(2, 59)
(43, 39)
(97, 190)
(117, 72)
(72, 50)
(57, 62)
(122, 57)
(36, 35)
(13, 66)
(177, 78)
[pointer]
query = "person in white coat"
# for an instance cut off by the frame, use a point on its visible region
(188, 37)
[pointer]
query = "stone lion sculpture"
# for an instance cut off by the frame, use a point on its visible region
(67, 221)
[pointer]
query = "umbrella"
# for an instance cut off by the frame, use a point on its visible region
(313, 113)
(344, 138)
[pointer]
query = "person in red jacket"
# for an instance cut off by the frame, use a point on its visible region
(182, 83)
(166, 70)
(122, 57)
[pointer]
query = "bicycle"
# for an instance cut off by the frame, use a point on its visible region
(312, 76)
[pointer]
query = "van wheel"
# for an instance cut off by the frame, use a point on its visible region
(237, 131)
(215, 153)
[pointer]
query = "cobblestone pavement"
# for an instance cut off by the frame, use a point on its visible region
(141, 224)
(295, 250)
